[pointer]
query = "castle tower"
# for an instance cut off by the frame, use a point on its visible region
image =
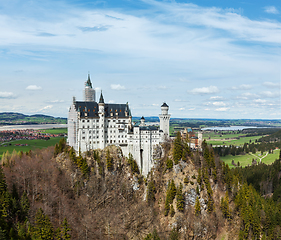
(101, 122)
(142, 121)
(164, 121)
(89, 92)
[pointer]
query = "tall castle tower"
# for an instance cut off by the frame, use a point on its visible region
(165, 121)
(89, 92)
(101, 122)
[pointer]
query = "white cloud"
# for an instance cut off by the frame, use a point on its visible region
(270, 94)
(216, 97)
(7, 95)
(56, 101)
(117, 87)
(191, 109)
(162, 87)
(271, 84)
(181, 109)
(222, 109)
(219, 104)
(33, 87)
(111, 101)
(247, 96)
(260, 100)
(205, 90)
(97, 89)
(242, 87)
(45, 108)
(271, 9)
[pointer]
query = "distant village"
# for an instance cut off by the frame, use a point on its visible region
(28, 134)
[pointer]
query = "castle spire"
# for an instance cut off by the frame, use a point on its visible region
(101, 98)
(89, 83)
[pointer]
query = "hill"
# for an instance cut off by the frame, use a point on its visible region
(11, 118)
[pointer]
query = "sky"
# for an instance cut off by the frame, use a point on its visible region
(205, 59)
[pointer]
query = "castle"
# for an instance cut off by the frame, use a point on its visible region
(93, 125)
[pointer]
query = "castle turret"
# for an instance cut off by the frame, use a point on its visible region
(101, 122)
(164, 121)
(142, 121)
(89, 92)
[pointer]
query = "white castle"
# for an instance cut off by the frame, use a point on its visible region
(93, 125)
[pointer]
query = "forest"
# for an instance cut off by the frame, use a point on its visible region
(54, 193)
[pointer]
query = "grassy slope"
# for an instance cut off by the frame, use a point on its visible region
(236, 142)
(246, 159)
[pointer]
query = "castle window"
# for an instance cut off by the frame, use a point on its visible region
(97, 120)
(90, 131)
(82, 126)
(83, 137)
(114, 141)
(83, 120)
(98, 142)
(88, 126)
(88, 120)
(90, 137)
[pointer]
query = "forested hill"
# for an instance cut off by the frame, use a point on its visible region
(11, 118)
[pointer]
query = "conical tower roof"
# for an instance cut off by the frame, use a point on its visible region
(101, 98)
(89, 83)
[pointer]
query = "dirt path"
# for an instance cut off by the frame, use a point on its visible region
(259, 157)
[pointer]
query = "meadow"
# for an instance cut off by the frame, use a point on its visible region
(33, 144)
(246, 159)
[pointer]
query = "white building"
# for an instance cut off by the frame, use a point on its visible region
(93, 125)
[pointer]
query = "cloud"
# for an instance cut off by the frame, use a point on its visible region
(222, 109)
(247, 96)
(205, 90)
(33, 87)
(271, 84)
(111, 101)
(219, 104)
(45, 108)
(8, 95)
(242, 87)
(270, 94)
(56, 101)
(271, 9)
(181, 109)
(162, 87)
(100, 28)
(45, 34)
(97, 88)
(216, 97)
(260, 100)
(117, 87)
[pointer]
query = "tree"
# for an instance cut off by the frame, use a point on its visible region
(43, 229)
(197, 207)
(151, 190)
(177, 150)
(180, 199)
(153, 236)
(109, 161)
(63, 233)
(172, 211)
(169, 163)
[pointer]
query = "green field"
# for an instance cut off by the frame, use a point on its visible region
(237, 142)
(33, 144)
(55, 131)
(246, 159)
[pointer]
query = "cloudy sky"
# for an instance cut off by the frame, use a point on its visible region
(206, 59)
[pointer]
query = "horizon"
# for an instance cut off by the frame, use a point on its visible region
(216, 60)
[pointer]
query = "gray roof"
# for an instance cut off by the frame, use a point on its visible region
(148, 128)
(164, 105)
(92, 109)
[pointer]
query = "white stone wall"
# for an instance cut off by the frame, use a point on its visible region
(72, 125)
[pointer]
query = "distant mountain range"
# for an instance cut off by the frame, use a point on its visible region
(11, 118)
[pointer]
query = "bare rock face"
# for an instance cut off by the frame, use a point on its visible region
(157, 152)
(190, 197)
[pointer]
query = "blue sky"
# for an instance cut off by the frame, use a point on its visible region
(206, 59)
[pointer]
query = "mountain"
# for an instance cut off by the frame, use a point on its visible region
(11, 118)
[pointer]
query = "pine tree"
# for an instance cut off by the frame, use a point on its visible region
(172, 190)
(109, 161)
(169, 163)
(172, 211)
(197, 207)
(199, 178)
(177, 150)
(63, 233)
(43, 229)
(180, 199)
(151, 190)
(167, 207)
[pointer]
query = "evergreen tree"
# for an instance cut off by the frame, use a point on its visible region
(172, 191)
(151, 190)
(43, 229)
(63, 233)
(167, 207)
(197, 207)
(153, 236)
(169, 163)
(172, 211)
(180, 199)
(109, 161)
(177, 150)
